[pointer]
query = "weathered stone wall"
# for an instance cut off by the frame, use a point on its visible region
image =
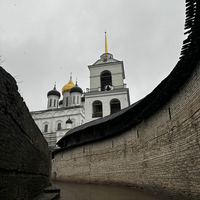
(161, 154)
(24, 154)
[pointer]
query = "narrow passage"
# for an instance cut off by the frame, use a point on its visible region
(74, 191)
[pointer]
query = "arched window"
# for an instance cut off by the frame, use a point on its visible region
(46, 128)
(59, 126)
(114, 106)
(106, 80)
(97, 109)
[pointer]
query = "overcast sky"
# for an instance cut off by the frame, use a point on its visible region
(42, 41)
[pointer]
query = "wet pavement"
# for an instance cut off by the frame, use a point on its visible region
(74, 191)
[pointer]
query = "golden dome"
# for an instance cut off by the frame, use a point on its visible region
(68, 86)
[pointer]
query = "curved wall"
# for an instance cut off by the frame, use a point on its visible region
(155, 143)
(159, 154)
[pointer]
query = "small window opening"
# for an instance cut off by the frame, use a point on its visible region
(114, 106)
(77, 99)
(169, 113)
(97, 109)
(59, 126)
(50, 103)
(106, 80)
(66, 101)
(46, 128)
(73, 99)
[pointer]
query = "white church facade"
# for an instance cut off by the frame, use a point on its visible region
(107, 94)
(60, 116)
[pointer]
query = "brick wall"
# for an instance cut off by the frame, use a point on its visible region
(24, 154)
(161, 154)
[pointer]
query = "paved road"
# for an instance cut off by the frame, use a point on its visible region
(73, 191)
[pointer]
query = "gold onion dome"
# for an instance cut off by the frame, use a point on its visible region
(68, 86)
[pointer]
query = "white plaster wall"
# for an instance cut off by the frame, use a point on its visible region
(53, 117)
(66, 94)
(77, 95)
(105, 97)
(52, 104)
(116, 70)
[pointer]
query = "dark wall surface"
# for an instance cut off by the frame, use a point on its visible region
(24, 154)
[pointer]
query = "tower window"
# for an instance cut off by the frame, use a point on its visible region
(59, 126)
(114, 106)
(46, 128)
(97, 109)
(50, 102)
(77, 99)
(54, 104)
(73, 99)
(106, 80)
(66, 101)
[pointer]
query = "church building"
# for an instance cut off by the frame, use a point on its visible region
(107, 94)
(61, 116)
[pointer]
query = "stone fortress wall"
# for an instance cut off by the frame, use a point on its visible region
(153, 145)
(160, 154)
(25, 160)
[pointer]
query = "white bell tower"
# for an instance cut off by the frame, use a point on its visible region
(107, 93)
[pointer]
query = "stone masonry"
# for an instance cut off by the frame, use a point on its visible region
(160, 154)
(24, 154)
(154, 144)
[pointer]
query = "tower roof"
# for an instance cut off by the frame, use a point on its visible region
(53, 92)
(69, 121)
(76, 89)
(68, 86)
(106, 57)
